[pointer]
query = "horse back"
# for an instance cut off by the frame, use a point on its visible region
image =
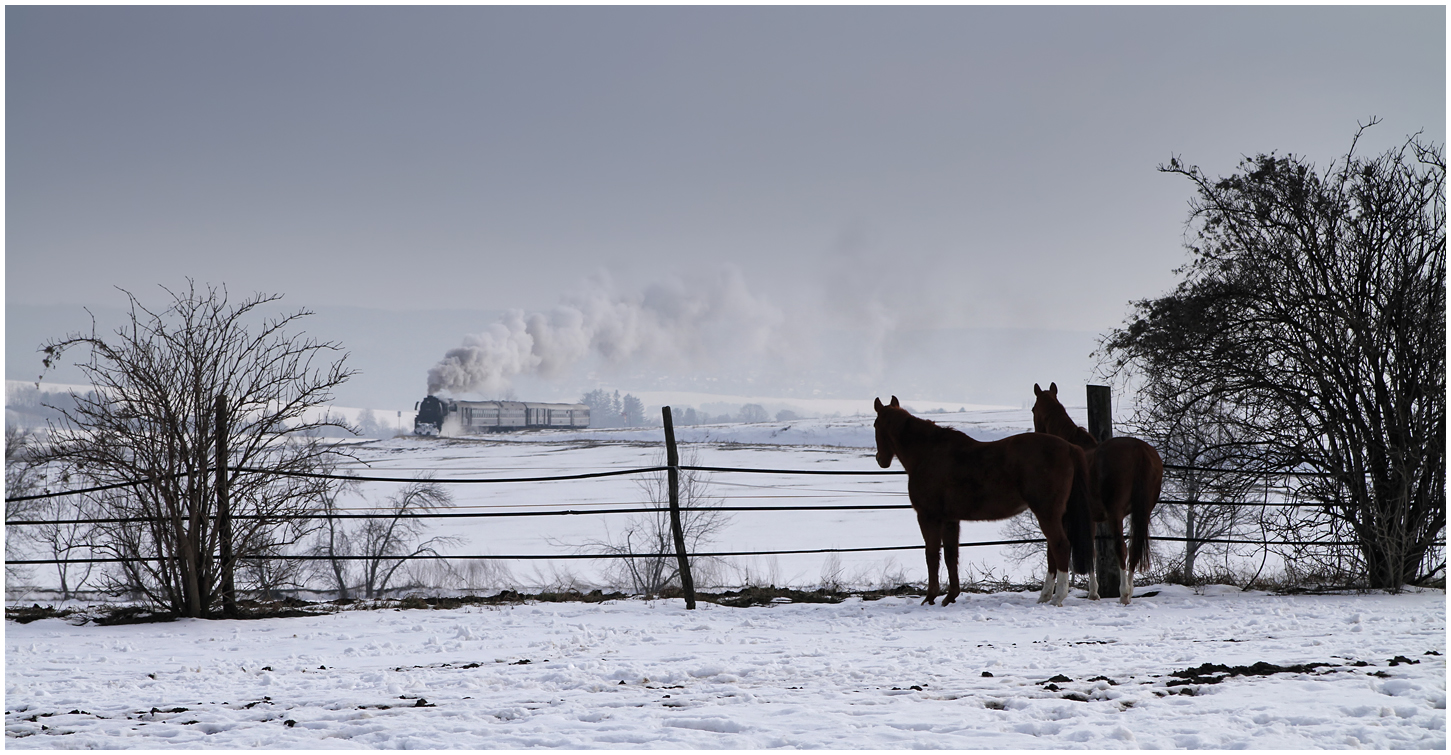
(997, 479)
(1127, 459)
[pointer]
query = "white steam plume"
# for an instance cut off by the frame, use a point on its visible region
(677, 323)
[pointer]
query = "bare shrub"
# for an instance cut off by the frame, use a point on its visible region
(367, 554)
(152, 417)
(642, 552)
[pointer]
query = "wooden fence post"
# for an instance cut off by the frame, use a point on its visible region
(224, 512)
(1100, 426)
(672, 461)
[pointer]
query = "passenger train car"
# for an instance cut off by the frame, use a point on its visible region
(451, 418)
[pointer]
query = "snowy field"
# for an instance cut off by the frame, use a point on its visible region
(844, 445)
(995, 671)
(989, 672)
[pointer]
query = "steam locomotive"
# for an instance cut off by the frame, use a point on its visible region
(452, 418)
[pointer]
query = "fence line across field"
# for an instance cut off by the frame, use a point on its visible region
(385, 514)
(533, 556)
(672, 468)
(608, 556)
(553, 478)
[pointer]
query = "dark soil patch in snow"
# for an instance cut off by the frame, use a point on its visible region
(1214, 673)
(765, 596)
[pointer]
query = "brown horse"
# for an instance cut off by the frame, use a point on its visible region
(1125, 475)
(951, 477)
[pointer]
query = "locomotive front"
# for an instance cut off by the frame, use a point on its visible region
(431, 413)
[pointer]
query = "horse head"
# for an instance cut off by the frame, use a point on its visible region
(1046, 409)
(885, 449)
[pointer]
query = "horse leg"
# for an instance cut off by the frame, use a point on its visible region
(1055, 584)
(1058, 566)
(1060, 588)
(1050, 579)
(1115, 491)
(932, 537)
(950, 531)
(1125, 576)
(1049, 583)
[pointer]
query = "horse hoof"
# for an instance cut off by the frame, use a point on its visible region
(1093, 596)
(1125, 599)
(931, 600)
(1044, 598)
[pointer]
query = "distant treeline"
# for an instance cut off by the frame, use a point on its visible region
(28, 406)
(613, 410)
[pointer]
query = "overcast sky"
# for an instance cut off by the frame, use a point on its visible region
(874, 168)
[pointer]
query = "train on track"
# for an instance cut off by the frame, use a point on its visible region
(452, 418)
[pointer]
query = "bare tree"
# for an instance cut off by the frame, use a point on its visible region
(1209, 470)
(67, 536)
(22, 477)
(643, 551)
(152, 419)
(22, 473)
(1315, 306)
(334, 541)
(634, 411)
(754, 413)
(370, 554)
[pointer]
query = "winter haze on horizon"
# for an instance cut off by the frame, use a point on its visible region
(946, 203)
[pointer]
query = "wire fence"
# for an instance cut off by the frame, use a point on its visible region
(552, 512)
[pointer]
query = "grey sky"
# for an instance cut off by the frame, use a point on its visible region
(929, 167)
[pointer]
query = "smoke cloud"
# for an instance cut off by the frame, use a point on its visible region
(680, 323)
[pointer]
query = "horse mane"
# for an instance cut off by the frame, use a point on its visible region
(929, 429)
(1062, 425)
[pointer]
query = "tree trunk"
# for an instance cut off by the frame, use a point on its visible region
(1191, 546)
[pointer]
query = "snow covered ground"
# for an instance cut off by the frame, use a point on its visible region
(989, 672)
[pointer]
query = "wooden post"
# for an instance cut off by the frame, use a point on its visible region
(672, 461)
(1100, 426)
(1100, 412)
(224, 512)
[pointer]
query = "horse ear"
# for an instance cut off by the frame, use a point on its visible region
(1053, 389)
(879, 403)
(894, 402)
(1036, 390)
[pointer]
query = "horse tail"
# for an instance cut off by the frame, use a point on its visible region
(1078, 520)
(1141, 504)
